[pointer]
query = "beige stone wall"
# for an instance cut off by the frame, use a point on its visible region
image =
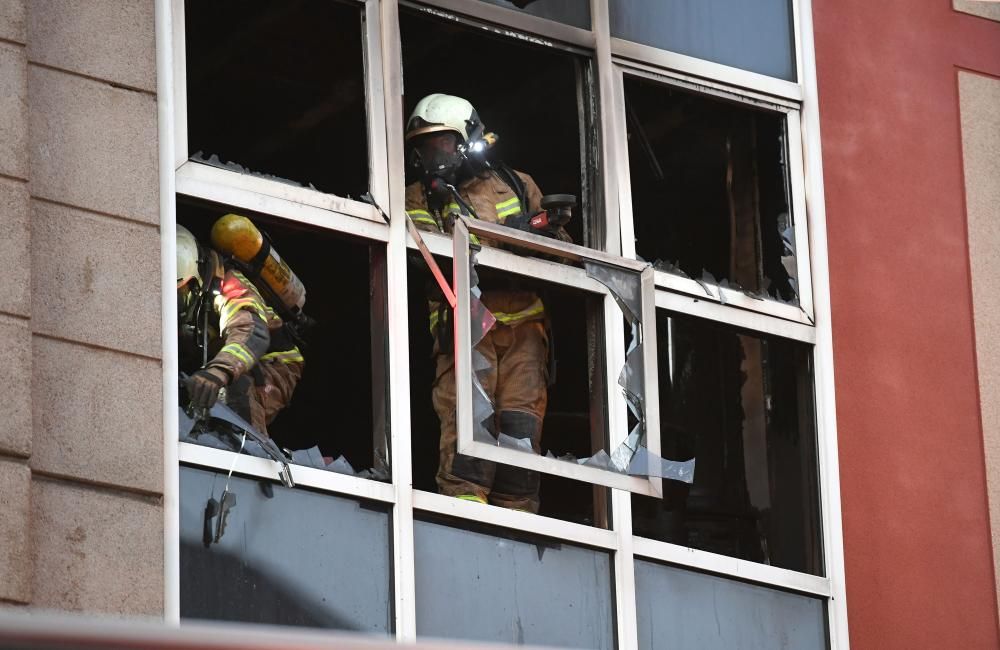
(980, 105)
(981, 8)
(81, 517)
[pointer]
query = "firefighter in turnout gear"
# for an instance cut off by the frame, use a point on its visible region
(231, 338)
(441, 135)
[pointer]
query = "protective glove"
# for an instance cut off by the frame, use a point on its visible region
(203, 387)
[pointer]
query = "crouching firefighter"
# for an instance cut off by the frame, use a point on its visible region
(446, 145)
(231, 338)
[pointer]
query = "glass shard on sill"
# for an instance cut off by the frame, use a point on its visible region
(214, 161)
(669, 267)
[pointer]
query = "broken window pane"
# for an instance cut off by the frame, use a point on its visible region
(286, 557)
(279, 88)
(479, 585)
(544, 114)
(710, 189)
(743, 405)
(575, 421)
(756, 36)
(571, 12)
(677, 608)
(336, 418)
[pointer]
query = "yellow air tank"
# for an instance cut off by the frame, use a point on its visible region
(237, 236)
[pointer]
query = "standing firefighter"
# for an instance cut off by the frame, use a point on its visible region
(443, 135)
(230, 337)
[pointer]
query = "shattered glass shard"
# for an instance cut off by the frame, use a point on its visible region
(522, 444)
(600, 460)
(623, 453)
(646, 463)
(623, 285)
(311, 457)
(341, 466)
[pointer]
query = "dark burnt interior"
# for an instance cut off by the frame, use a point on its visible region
(710, 187)
(333, 405)
(742, 405)
(526, 93)
(278, 87)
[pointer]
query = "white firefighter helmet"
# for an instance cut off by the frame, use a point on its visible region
(187, 257)
(439, 112)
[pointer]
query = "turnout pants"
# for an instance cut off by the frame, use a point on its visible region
(260, 401)
(517, 383)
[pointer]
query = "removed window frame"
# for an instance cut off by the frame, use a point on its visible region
(573, 277)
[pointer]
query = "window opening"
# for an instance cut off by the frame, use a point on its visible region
(571, 12)
(575, 401)
(743, 404)
(539, 101)
(336, 418)
(710, 190)
(278, 89)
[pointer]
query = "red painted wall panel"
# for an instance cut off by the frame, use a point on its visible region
(916, 530)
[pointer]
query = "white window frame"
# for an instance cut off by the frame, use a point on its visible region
(384, 85)
(803, 311)
(577, 279)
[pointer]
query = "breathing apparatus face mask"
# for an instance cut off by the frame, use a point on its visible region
(437, 155)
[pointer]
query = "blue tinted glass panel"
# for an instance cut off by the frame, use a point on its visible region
(293, 558)
(479, 586)
(683, 609)
(571, 12)
(755, 36)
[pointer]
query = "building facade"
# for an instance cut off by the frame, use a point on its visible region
(784, 253)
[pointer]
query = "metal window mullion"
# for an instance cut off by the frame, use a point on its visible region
(799, 211)
(612, 144)
(533, 524)
(797, 38)
(704, 86)
(623, 170)
(179, 90)
(214, 180)
(730, 567)
(626, 600)
(706, 69)
(829, 471)
(312, 477)
(621, 502)
(168, 106)
(545, 28)
(378, 152)
(750, 320)
(404, 579)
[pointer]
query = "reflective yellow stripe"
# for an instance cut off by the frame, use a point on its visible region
(234, 306)
(240, 352)
(536, 309)
(285, 356)
(508, 208)
(422, 216)
(508, 203)
(434, 320)
(427, 220)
